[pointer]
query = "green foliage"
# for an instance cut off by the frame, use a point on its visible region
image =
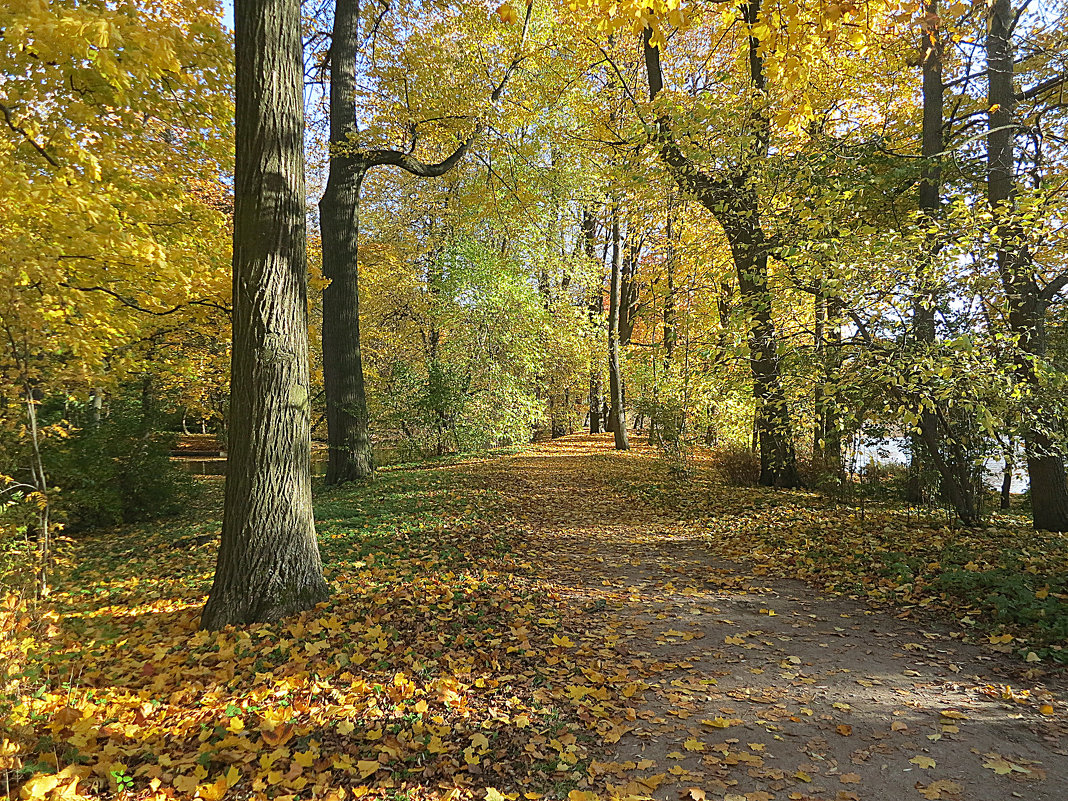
(475, 354)
(116, 471)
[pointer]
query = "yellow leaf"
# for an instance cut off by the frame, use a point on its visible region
(693, 744)
(1045, 709)
(718, 723)
(345, 728)
(214, 791)
(923, 761)
(236, 726)
(39, 786)
(508, 14)
(366, 767)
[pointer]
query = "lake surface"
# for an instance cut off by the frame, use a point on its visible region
(895, 451)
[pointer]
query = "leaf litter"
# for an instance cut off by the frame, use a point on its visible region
(532, 627)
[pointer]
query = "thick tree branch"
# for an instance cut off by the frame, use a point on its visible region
(1047, 85)
(1054, 287)
(686, 173)
(137, 307)
(406, 161)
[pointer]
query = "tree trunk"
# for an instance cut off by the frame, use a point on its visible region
(350, 456)
(96, 407)
(734, 202)
(671, 334)
(595, 403)
(1006, 476)
(617, 421)
(268, 564)
(1026, 304)
(923, 307)
(778, 465)
(595, 309)
(819, 411)
(832, 426)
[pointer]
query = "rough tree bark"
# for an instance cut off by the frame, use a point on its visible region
(349, 442)
(734, 202)
(1027, 302)
(617, 421)
(268, 564)
(348, 429)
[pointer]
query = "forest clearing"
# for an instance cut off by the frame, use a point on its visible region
(599, 400)
(539, 624)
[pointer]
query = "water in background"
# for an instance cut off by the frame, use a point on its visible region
(894, 450)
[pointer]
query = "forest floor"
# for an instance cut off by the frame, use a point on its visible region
(567, 622)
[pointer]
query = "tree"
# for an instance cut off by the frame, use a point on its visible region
(734, 202)
(617, 422)
(268, 564)
(350, 452)
(1027, 300)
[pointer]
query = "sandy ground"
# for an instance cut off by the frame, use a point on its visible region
(763, 690)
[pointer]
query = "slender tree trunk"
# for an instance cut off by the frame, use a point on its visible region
(268, 564)
(595, 310)
(923, 309)
(1026, 304)
(40, 483)
(671, 333)
(832, 427)
(1006, 476)
(595, 403)
(617, 420)
(819, 411)
(96, 407)
(350, 456)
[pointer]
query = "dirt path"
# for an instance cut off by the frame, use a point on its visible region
(762, 690)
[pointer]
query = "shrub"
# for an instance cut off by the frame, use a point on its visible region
(737, 465)
(117, 471)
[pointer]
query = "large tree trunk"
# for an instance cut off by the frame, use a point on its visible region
(1026, 303)
(350, 456)
(268, 564)
(617, 421)
(778, 464)
(346, 403)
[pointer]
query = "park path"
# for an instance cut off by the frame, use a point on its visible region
(757, 689)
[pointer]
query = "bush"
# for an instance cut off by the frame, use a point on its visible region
(117, 471)
(738, 466)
